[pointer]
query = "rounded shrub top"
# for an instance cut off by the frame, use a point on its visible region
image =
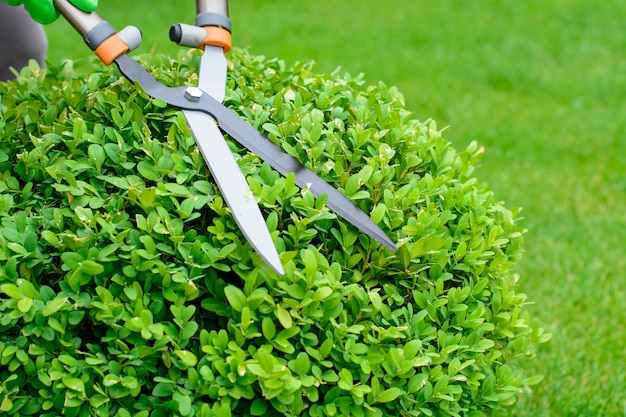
(127, 289)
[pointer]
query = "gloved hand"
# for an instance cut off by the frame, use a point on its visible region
(43, 11)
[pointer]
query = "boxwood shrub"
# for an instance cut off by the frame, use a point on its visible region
(126, 288)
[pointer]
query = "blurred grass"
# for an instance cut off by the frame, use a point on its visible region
(541, 85)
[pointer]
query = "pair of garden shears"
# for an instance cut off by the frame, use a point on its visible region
(206, 116)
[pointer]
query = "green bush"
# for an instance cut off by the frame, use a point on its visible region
(126, 288)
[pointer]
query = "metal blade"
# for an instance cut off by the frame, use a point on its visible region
(233, 186)
(254, 141)
(212, 75)
(223, 166)
(284, 163)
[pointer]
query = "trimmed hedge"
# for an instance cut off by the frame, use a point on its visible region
(126, 288)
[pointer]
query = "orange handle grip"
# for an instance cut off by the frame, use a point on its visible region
(218, 36)
(110, 49)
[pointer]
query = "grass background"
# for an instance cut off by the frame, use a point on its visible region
(541, 84)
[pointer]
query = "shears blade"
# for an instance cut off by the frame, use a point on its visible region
(222, 163)
(229, 122)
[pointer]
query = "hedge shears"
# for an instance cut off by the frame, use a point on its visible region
(207, 117)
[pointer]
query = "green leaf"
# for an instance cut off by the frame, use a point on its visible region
(147, 197)
(91, 267)
(135, 324)
(259, 407)
(56, 325)
(11, 290)
(122, 412)
(110, 380)
(310, 261)
(378, 213)
(79, 130)
(119, 182)
(284, 317)
(246, 317)
(163, 389)
(17, 248)
(147, 170)
(187, 357)
(283, 345)
(236, 298)
(74, 384)
(269, 328)
(75, 317)
(54, 305)
(389, 395)
(223, 410)
(322, 293)
(97, 154)
(24, 304)
(184, 403)
(346, 380)
(189, 330)
(72, 260)
(360, 195)
(266, 360)
(417, 382)
(146, 317)
(50, 237)
(353, 184)
(98, 400)
(302, 364)
(159, 102)
(272, 128)
(6, 405)
(177, 189)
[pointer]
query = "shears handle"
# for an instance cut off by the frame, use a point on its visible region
(213, 27)
(212, 6)
(98, 34)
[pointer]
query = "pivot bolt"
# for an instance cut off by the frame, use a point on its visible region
(193, 94)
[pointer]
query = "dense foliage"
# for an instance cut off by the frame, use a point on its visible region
(126, 288)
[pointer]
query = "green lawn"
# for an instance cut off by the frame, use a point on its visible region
(541, 84)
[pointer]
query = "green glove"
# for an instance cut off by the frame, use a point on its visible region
(43, 11)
